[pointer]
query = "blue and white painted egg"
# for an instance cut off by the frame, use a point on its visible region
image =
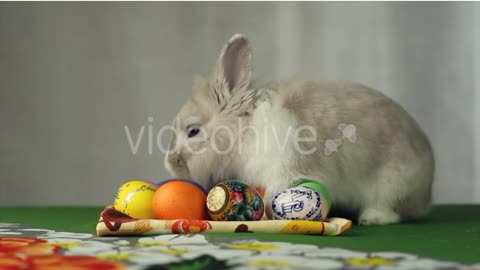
(299, 203)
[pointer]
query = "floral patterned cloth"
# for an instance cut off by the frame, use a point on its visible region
(113, 222)
(22, 247)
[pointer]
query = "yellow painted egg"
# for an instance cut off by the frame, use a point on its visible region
(134, 198)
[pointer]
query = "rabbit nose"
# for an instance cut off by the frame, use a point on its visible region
(175, 159)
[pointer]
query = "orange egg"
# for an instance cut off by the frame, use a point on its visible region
(178, 199)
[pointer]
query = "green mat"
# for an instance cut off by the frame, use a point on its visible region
(449, 232)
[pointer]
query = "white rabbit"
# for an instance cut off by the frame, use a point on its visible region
(269, 136)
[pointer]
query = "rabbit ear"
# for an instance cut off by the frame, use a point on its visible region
(233, 69)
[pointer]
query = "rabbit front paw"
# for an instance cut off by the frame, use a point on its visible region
(373, 216)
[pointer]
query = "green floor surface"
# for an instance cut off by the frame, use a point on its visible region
(449, 232)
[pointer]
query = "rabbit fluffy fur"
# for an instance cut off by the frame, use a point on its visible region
(245, 132)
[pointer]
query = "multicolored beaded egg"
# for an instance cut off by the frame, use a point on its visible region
(234, 200)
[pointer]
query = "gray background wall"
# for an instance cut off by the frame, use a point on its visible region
(72, 75)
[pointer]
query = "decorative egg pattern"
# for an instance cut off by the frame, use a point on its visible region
(233, 200)
(134, 198)
(299, 203)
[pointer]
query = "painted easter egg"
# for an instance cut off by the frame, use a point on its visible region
(134, 198)
(179, 199)
(300, 203)
(234, 200)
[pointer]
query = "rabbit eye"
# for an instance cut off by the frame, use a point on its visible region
(193, 130)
